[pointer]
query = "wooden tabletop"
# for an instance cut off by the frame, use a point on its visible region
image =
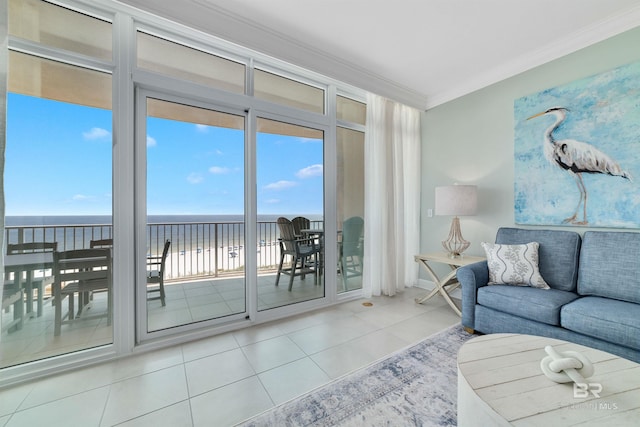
(502, 372)
(444, 258)
(32, 260)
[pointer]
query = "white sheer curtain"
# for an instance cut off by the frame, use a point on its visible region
(392, 197)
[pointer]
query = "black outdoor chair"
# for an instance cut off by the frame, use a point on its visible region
(82, 272)
(155, 274)
(304, 253)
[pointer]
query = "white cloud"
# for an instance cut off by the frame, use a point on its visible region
(310, 171)
(272, 201)
(151, 141)
(280, 185)
(202, 128)
(96, 133)
(195, 178)
(218, 170)
(81, 197)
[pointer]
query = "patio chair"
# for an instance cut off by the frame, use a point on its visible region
(31, 282)
(351, 249)
(13, 296)
(81, 272)
(304, 253)
(300, 223)
(97, 243)
(155, 274)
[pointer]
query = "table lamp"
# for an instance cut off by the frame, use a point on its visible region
(456, 200)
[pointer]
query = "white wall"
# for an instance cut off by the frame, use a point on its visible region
(470, 140)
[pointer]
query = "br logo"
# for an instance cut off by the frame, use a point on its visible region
(582, 390)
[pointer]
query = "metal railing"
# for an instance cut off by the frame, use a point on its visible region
(198, 249)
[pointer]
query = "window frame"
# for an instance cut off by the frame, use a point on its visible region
(126, 79)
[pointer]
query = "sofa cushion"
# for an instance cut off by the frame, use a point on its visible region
(610, 265)
(514, 265)
(558, 253)
(607, 319)
(541, 305)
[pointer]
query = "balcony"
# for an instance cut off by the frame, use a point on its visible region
(198, 249)
(204, 280)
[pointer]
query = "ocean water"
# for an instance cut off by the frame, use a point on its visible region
(14, 221)
(106, 219)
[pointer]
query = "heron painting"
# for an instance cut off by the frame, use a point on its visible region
(577, 152)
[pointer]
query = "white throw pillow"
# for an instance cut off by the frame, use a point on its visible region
(514, 265)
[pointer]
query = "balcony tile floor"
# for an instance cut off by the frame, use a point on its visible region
(228, 378)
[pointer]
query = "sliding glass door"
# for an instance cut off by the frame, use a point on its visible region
(290, 211)
(191, 250)
(193, 247)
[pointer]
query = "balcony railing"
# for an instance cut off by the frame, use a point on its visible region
(198, 249)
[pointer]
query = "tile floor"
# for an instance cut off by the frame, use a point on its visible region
(223, 380)
(186, 302)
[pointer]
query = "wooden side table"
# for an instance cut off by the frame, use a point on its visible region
(448, 282)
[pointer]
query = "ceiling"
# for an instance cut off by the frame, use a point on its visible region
(420, 52)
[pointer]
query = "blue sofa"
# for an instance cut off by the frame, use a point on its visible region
(594, 298)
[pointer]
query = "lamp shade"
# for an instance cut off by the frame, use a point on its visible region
(457, 200)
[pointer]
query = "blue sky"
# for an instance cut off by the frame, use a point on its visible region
(58, 162)
(58, 158)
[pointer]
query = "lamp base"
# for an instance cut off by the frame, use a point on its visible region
(455, 243)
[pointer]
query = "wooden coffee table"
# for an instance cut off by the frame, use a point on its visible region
(500, 383)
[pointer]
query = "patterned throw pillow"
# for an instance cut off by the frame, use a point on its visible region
(514, 265)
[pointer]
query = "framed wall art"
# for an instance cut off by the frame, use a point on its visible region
(577, 152)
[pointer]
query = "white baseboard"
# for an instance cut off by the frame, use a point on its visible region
(430, 285)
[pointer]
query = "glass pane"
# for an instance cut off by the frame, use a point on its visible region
(58, 198)
(58, 27)
(351, 111)
(350, 200)
(42, 78)
(176, 60)
(289, 92)
(290, 185)
(195, 202)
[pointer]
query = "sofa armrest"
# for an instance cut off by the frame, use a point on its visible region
(471, 277)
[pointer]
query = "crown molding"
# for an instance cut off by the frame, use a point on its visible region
(219, 22)
(586, 37)
(285, 47)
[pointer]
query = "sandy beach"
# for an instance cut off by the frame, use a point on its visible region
(224, 259)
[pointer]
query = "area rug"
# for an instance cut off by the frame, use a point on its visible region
(416, 386)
